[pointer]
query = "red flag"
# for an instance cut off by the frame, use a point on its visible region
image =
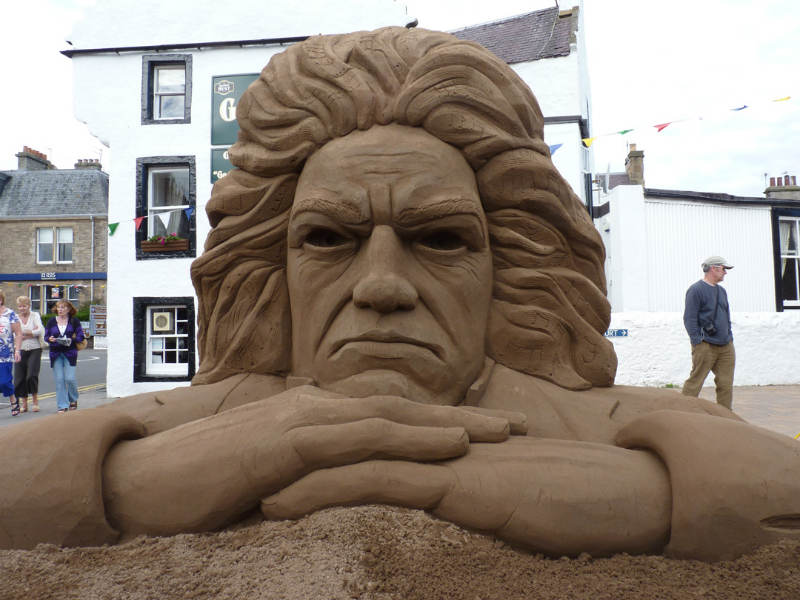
(138, 221)
(660, 128)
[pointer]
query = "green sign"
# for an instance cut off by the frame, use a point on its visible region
(225, 93)
(220, 163)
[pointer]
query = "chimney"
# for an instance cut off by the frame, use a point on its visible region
(783, 188)
(634, 165)
(32, 160)
(88, 163)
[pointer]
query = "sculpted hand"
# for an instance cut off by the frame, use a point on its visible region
(206, 473)
(553, 496)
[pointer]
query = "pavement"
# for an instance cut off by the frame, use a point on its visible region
(774, 407)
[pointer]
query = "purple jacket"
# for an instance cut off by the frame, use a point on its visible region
(73, 331)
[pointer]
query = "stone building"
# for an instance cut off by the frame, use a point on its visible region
(53, 225)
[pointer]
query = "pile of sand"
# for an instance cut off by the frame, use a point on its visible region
(379, 553)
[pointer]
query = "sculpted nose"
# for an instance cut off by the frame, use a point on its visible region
(383, 287)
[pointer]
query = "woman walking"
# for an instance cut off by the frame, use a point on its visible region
(62, 332)
(26, 371)
(10, 340)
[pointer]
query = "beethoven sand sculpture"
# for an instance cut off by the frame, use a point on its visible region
(402, 302)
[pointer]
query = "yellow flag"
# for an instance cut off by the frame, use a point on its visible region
(588, 141)
(782, 99)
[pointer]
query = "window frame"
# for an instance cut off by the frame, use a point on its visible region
(142, 307)
(144, 166)
(778, 215)
(150, 65)
(55, 245)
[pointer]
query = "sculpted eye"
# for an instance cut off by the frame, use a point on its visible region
(442, 240)
(321, 237)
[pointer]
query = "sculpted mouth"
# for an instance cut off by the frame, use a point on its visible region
(387, 337)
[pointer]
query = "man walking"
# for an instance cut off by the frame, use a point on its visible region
(707, 318)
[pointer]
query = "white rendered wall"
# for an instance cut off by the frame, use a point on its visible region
(108, 99)
(555, 83)
(655, 246)
(657, 350)
(569, 158)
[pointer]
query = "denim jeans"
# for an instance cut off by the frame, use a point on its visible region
(66, 384)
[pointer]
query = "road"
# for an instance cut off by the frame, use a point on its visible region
(90, 372)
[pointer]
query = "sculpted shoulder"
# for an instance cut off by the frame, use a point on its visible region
(593, 415)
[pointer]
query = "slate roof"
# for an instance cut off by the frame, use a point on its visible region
(54, 192)
(528, 37)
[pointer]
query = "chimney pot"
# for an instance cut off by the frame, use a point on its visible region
(771, 182)
(794, 180)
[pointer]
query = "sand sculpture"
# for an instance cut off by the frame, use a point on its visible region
(402, 302)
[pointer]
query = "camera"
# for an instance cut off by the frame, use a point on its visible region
(64, 341)
(709, 329)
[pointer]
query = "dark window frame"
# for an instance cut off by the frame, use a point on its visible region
(777, 213)
(143, 166)
(149, 64)
(140, 306)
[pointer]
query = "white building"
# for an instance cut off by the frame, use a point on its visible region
(655, 241)
(158, 83)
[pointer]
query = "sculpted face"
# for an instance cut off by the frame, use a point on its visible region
(389, 267)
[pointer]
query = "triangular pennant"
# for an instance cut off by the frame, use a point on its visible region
(164, 218)
(784, 99)
(588, 141)
(662, 126)
(740, 108)
(188, 212)
(624, 131)
(112, 227)
(554, 147)
(138, 221)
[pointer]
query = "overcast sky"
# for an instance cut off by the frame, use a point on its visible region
(649, 63)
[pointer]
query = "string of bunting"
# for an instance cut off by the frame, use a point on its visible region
(163, 217)
(659, 127)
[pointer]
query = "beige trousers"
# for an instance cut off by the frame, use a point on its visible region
(719, 359)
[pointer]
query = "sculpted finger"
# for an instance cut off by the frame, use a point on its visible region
(517, 421)
(480, 427)
(412, 485)
(333, 445)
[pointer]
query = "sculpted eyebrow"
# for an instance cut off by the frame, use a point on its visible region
(409, 217)
(341, 211)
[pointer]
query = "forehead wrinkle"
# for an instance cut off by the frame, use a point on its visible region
(342, 210)
(373, 161)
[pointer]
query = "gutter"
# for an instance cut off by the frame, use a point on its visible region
(196, 45)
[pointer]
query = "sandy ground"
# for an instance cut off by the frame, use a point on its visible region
(377, 553)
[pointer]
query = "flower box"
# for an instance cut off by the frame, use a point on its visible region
(167, 246)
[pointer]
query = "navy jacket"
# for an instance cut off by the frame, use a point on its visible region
(74, 331)
(699, 310)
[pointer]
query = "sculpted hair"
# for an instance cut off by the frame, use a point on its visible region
(549, 309)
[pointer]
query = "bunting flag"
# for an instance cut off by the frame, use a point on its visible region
(189, 211)
(164, 218)
(588, 141)
(138, 221)
(112, 227)
(553, 149)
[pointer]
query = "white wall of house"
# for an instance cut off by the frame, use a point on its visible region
(656, 351)
(108, 98)
(655, 246)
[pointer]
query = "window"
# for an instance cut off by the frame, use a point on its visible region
(54, 293)
(789, 269)
(165, 200)
(169, 87)
(35, 293)
(166, 88)
(64, 244)
(44, 245)
(47, 251)
(164, 342)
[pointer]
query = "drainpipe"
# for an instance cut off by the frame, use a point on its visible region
(91, 285)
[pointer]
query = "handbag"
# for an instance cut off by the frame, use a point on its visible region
(82, 344)
(42, 342)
